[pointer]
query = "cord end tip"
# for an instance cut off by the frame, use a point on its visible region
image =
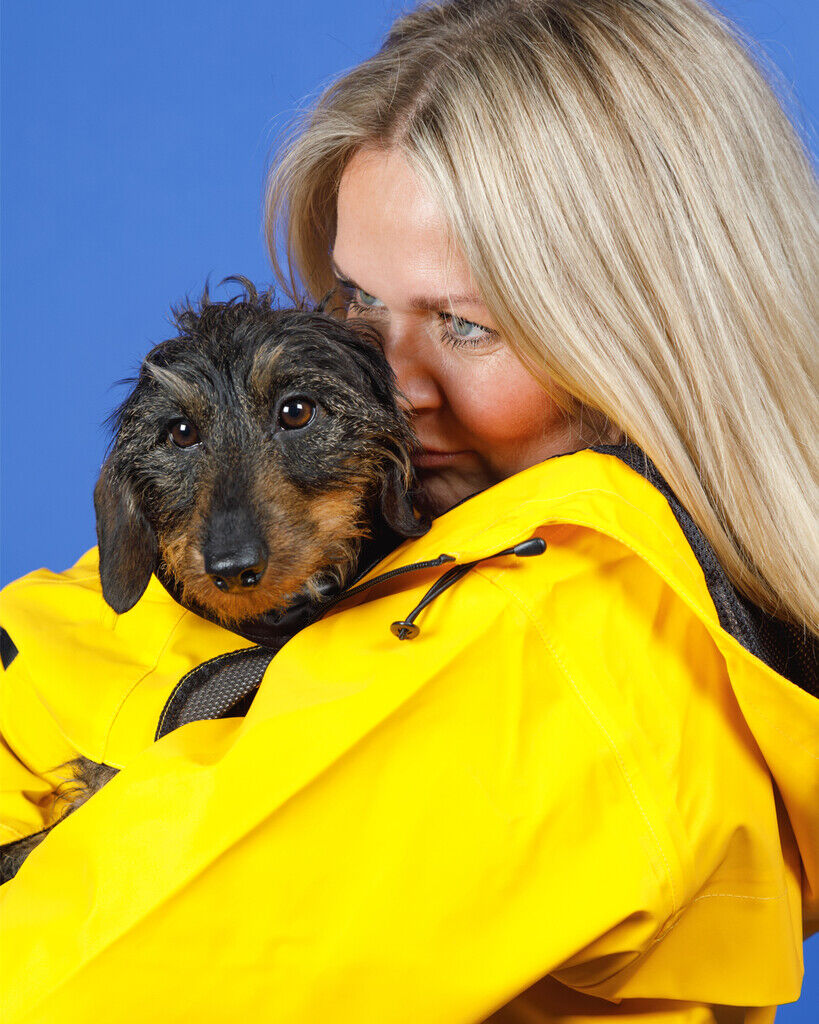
(528, 548)
(404, 630)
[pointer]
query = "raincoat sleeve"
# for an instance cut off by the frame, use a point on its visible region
(395, 833)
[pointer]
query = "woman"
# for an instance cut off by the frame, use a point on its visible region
(589, 785)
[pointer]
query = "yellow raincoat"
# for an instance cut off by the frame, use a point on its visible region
(573, 794)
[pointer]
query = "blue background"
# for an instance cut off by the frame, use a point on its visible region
(135, 138)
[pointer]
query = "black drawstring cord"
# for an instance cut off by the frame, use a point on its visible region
(406, 628)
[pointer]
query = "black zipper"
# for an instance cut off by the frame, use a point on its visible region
(352, 591)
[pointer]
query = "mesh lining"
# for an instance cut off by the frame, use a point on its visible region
(788, 650)
(8, 650)
(220, 688)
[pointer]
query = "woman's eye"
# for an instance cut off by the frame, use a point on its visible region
(366, 298)
(458, 332)
(455, 330)
(356, 298)
(295, 413)
(184, 434)
(465, 330)
(360, 300)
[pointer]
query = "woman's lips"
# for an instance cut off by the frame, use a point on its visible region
(429, 458)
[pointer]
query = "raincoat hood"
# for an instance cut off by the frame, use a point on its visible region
(654, 699)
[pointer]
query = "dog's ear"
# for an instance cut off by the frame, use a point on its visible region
(396, 504)
(127, 542)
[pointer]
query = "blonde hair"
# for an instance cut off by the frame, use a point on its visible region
(641, 219)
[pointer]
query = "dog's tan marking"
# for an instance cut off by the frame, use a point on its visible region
(297, 556)
(183, 390)
(341, 531)
(263, 368)
(294, 562)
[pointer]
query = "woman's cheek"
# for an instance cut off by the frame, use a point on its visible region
(503, 411)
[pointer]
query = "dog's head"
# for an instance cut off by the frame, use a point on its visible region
(253, 455)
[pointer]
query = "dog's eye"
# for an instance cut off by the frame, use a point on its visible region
(296, 412)
(184, 434)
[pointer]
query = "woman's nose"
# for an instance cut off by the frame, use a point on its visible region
(415, 372)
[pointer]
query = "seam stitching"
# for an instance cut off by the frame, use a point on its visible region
(619, 757)
(694, 606)
(732, 896)
(141, 679)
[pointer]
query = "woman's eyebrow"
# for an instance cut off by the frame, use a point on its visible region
(420, 303)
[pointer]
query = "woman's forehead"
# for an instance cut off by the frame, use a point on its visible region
(386, 175)
(391, 236)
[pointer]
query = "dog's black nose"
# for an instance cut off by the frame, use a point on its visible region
(239, 569)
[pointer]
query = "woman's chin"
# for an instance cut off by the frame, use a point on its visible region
(439, 490)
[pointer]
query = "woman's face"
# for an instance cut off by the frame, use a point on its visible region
(478, 413)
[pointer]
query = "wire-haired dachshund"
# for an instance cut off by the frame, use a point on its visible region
(258, 454)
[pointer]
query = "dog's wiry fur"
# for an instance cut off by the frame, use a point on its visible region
(307, 495)
(83, 778)
(301, 499)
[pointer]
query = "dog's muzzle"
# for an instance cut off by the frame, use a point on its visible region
(240, 569)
